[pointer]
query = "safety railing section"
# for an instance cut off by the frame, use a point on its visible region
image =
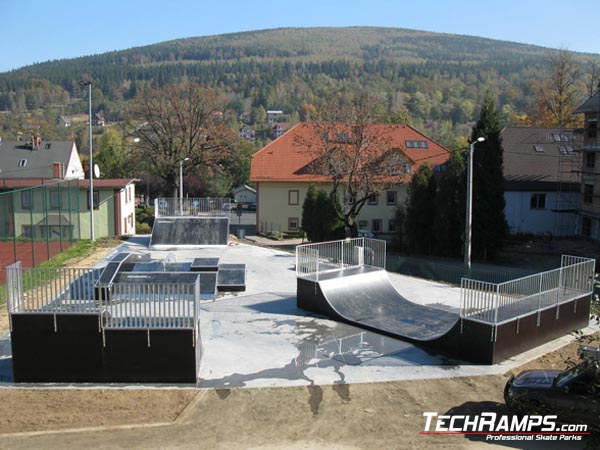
(191, 207)
(50, 290)
(312, 260)
(499, 302)
(151, 306)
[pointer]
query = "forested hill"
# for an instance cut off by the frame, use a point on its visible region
(435, 77)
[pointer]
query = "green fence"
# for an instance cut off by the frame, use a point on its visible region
(38, 222)
(450, 272)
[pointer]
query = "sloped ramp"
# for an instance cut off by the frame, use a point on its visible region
(190, 231)
(365, 297)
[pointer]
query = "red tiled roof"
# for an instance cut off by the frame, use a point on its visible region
(17, 183)
(283, 159)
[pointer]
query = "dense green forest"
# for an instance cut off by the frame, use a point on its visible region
(436, 81)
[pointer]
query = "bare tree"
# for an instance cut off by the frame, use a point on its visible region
(181, 121)
(358, 156)
(558, 95)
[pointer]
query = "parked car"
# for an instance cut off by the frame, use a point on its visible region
(366, 234)
(573, 395)
(252, 207)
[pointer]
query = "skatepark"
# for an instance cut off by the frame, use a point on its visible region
(321, 316)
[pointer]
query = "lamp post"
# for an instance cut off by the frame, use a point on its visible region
(181, 185)
(88, 83)
(469, 212)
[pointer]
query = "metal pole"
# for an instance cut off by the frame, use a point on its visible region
(181, 187)
(91, 169)
(469, 215)
(469, 212)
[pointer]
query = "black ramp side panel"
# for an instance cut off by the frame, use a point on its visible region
(370, 299)
(190, 231)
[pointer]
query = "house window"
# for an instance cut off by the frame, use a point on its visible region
(362, 224)
(590, 160)
(26, 199)
(27, 231)
(22, 163)
(373, 199)
(586, 226)
(538, 201)
(592, 128)
(54, 199)
(391, 197)
(376, 225)
(538, 148)
(47, 147)
(409, 144)
(349, 199)
(588, 193)
(293, 224)
(124, 226)
(423, 144)
(96, 200)
(293, 198)
(392, 226)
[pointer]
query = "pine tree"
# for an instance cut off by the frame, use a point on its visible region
(489, 223)
(420, 211)
(450, 208)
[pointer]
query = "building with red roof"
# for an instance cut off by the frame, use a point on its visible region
(282, 176)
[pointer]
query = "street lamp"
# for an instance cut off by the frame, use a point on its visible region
(181, 184)
(88, 83)
(469, 212)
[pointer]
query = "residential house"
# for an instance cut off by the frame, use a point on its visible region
(541, 180)
(42, 208)
(279, 171)
(590, 176)
(278, 129)
(100, 120)
(40, 159)
(244, 194)
(63, 121)
(43, 194)
(273, 116)
(247, 132)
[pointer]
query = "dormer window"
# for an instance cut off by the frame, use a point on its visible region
(538, 148)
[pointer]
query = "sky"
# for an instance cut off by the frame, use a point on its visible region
(42, 30)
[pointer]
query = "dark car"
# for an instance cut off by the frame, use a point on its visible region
(573, 395)
(252, 207)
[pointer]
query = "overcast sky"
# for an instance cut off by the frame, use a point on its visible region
(42, 30)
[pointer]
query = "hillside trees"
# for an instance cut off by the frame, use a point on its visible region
(177, 122)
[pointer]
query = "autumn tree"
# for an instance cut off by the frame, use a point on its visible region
(354, 153)
(177, 122)
(558, 94)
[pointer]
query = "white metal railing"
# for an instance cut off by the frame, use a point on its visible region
(50, 289)
(312, 260)
(499, 302)
(151, 306)
(191, 207)
(119, 306)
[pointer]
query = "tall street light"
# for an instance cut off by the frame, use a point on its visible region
(469, 212)
(88, 83)
(181, 184)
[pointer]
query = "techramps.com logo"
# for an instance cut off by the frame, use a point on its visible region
(497, 427)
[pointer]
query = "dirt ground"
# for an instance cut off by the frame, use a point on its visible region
(339, 417)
